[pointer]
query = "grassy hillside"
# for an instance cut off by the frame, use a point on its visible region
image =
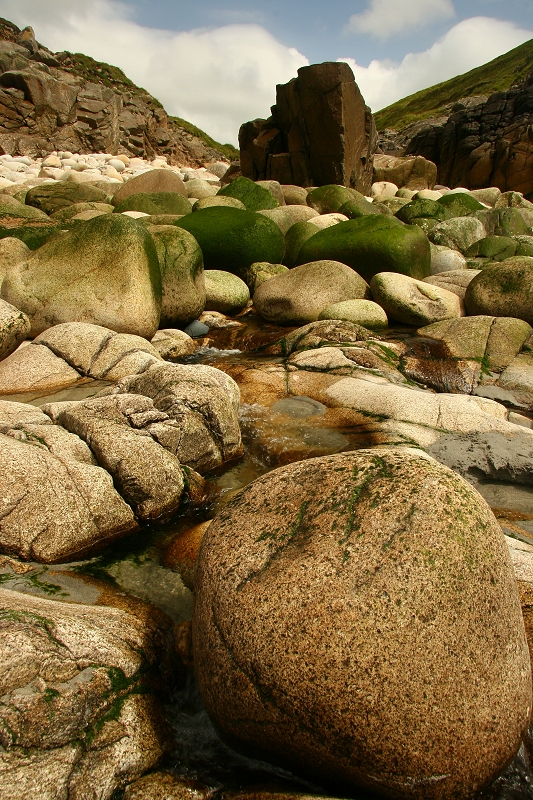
(496, 76)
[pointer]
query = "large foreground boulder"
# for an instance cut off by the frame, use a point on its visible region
(371, 244)
(105, 272)
(369, 634)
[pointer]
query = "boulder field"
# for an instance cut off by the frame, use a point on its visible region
(286, 407)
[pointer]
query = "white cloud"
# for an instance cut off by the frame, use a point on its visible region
(468, 44)
(215, 78)
(385, 18)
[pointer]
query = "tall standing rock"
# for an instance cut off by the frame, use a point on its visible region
(320, 132)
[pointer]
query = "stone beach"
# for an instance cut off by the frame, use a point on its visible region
(266, 484)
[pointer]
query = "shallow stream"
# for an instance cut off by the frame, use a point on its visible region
(140, 565)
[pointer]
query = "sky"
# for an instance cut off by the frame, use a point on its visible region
(216, 63)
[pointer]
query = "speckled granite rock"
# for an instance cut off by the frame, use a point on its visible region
(77, 707)
(309, 607)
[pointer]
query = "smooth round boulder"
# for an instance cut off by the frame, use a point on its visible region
(182, 274)
(78, 208)
(224, 292)
(329, 198)
(218, 200)
(232, 239)
(371, 244)
(368, 634)
(199, 189)
(414, 302)
(298, 296)
(458, 233)
(460, 204)
(155, 203)
(104, 271)
(294, 195)
(295, 237)
(503, 290)
(262, 271)
(443, 259)
(51, 197)
(362, 312)
(254, 196)
(153, 180)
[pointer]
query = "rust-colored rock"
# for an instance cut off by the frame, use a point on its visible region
(320, 132)
(357, 618)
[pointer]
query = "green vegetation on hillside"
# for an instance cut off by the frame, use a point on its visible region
(228, 150)
(496, 76)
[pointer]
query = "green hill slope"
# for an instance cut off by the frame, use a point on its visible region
(496, 76)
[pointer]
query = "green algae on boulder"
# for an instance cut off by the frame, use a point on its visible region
(50, 197)
(362, 312)
(503, 290)
(370, 245)
(232, 239)
(262, 271)
(421, 208)
(155, 203)
(309, 604)
(295, 237)
(329, 198)
(224, 291)
(182, 274)
(496, 248)
(104, 271)
(254, 197)
(460, 204)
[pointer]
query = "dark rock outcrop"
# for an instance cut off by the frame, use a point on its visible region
(320, 132)
(60, 101)
(483, 142)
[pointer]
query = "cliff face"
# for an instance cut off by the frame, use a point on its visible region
(60, 101)
(485, 141)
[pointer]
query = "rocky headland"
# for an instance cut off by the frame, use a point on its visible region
(266, 460)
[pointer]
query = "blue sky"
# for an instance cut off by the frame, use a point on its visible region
(216, 63)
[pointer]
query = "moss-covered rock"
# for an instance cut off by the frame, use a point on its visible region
(295, 237)
(218, 200)
(77, 208)
(358, 207)
(155, 203)
(104, 271)
(460, 204)
(458, 233)
(253, 196)
(329, 198)
(231, 239)
(224, 291)
(262, 271)
(301, 294)
(503, 290)
(33, 232)
(497, 248)
(50, 197)
(370, 245)
(429, 209)
(503, 221)
(10, 207)
(182, 274)
(362, 312)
